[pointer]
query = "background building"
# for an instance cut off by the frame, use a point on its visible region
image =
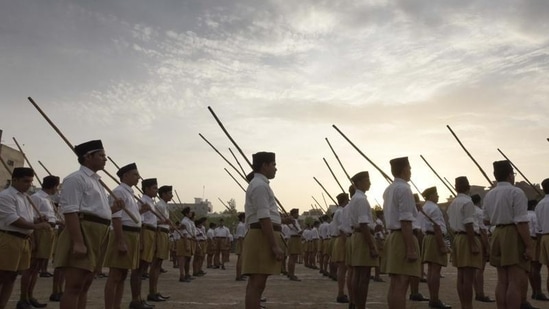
(13, 158)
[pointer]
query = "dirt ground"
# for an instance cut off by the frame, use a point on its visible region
(218, 289)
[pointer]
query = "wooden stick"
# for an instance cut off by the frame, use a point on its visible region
(470, 156)
(118, 167)
(417, 189)
(318, 204)
(389, 180)
(436, 174)
(521, 174)
(333, 175)
(339, 161)
(237, 162)
(449, 183)
(318, 182)
(228, 208)
(223, 157)
(28, 162)
(134, 219)
(238, 183)
(44, 167)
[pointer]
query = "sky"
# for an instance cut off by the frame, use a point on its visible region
(391, 75)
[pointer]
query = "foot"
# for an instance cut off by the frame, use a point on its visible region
(418, 297)
(46, 275)
(484, 299)
(36, 304)
(165, 297)
(342, 299)
(263, 299)
(137, 304)
(378, 279)
(162, 270)
(184, 279)
(438, 305)
(23, 304)
(540, 296)
(223, 267)
(423, 280)
(201, 272)
(155, 297)
(294, 278)
(240, 279)
(527, 305)
(56, 296)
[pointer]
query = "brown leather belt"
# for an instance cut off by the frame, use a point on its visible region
(395, 230)
(149, 227)
(92, 218)
(504, 225)
(16, 234)
(134, 229)
(257, 226)
(297, 236)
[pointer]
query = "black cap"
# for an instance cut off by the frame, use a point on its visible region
(88, 147)
(399, 163)
(262, 157)
(461, 181)
(342, 197)
(359, 176)
(503, 167)
(149, 182)
(429, 191)
(164, 189)
(20, 172)
(124, 169)
(50, 181)
(294, 211)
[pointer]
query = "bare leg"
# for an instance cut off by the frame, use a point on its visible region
(77, 283)
(398, 287)
(254, 290)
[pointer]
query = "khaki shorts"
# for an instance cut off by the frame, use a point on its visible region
(431, 253)
(544, 250)
(257, 257)
(148, 239)
(16, 253)
(294, 245)
(338, 251)
(130, 260)
(44, 244)
(507, 249)
(396, 261)
(94, 235)
(184, 247)
(200, 250)
(360, 252)
(461, 254)
(162, 245)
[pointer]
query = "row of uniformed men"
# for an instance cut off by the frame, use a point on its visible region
(504, 208)
(91, 220)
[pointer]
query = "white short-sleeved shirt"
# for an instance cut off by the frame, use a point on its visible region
(345, 225)
(260, 201)
(314, 234)
(44, 204)
(14, 205)
(240, 230)
(162, 207)
(460, 212)
(306, 234)
(379, 234)
(125, 193)
(189, 230)
(285, 231)
(323, 230)
(542, 214)
(360, 210)
(222, 231)
(433, 210)
(82, 192)
(479, 218)
(505, 204)
(532, 223)
(200, 233)
(398, 204)
(294, 228)
(148, 217)
(210, 233)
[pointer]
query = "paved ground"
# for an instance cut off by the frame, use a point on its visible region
(219, 290)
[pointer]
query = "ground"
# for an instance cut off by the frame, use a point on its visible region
(218, 289)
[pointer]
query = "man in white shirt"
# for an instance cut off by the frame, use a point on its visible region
(294, 244)
(323, 231)
(184, 246)
(505, 207)
(122, 253)
(535, 266)
(363, 247)
(479, 276)
(211, 245)
(542, 214)
(162, 248)
(402, 246)
(222, 245)
(434, 252)
(17, 222)
(261, 254)
(88, 213)
(43, 240)
(200, 251)
(239, 237)
(339, 250)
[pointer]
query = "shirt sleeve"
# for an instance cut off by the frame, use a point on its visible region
(406, 204)
(468, 212)
(520, 209)
(260, 200)
(8, 213)
(70, 197)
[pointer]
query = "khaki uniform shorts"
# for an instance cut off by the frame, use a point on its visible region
(130, 260)
(396, 261)
(94, 234)
(162, 245)
(507, 249)
(44, 243)
(338, 251)
(200, 250)
(15, 253)
(348, 251)
(430, 252)
(544, 250)
(184, 247)
(257, 257)
(210, 246)
(238, 246)
(461, 254)
(360, 252)
(535, 249)
(148, 239)
(294, 246)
